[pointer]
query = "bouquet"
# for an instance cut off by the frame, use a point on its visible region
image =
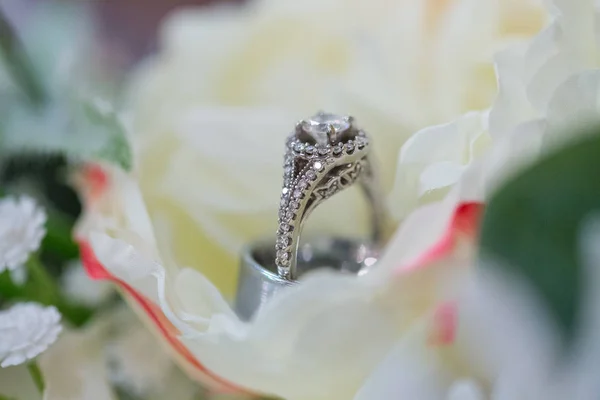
(130, 198)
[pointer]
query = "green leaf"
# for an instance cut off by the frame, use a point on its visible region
(59, 236)
(83, 129)
(101, 118)
(2, 397)
(18, 63)
(532, 225)
(42, 288)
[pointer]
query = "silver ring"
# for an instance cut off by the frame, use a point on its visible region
(259, 279)
(324, 155)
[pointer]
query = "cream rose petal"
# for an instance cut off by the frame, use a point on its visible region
(21, 230)
(412, 370)
(438, 155)
(26, 330)
(465, 389)
(278, 350)
(235, 155)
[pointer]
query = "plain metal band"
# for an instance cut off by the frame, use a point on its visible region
(259, 280)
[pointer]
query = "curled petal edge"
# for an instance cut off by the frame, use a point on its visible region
(96, 271)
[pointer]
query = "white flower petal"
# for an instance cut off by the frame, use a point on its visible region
(440, 175)
(26, 330)
(435, 158)
(574, 106)
(412, 370)
(21, 230)
(465, 390)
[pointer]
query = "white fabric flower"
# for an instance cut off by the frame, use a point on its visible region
(315, 324)
(21, 230)
(211, 110)
(26, 330)
(505, 346)
(548, 90)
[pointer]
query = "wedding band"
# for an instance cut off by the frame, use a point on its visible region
(259, 279)
(324, 155)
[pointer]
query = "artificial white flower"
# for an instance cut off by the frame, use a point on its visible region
(211, 109)
(300, 337)
(548, 89)
(21, 230)
(26, 330)
(504, 346)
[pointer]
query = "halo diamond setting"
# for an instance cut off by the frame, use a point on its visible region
(324, 155)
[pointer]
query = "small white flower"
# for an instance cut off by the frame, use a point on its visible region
(26, 330)
(21, 230)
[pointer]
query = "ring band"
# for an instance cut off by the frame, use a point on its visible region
(324, 155)
(259, 279)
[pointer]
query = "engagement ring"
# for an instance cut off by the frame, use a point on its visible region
(324, 155)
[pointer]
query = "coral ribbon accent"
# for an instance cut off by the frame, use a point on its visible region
(445, 323)
(96, 271)
(464, 224)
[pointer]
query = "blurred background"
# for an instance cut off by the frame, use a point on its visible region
(401, 67)
(76, 45)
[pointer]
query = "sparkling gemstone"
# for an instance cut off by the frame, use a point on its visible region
(284, 241)
(299, 147)
(318, 166)
(283, 255)
(323, 151)
(283, 262)
(361, 142)
(310, 149)
(350, 147)
(297, 194)
(337, 150)
(310, 174)
(318, 125)
(284, 227)
(283, 202)
(295, 205)
(287, 170)
(302, 184)
(289, 215)
(285, 190)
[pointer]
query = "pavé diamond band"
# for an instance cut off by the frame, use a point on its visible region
(324, 155)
